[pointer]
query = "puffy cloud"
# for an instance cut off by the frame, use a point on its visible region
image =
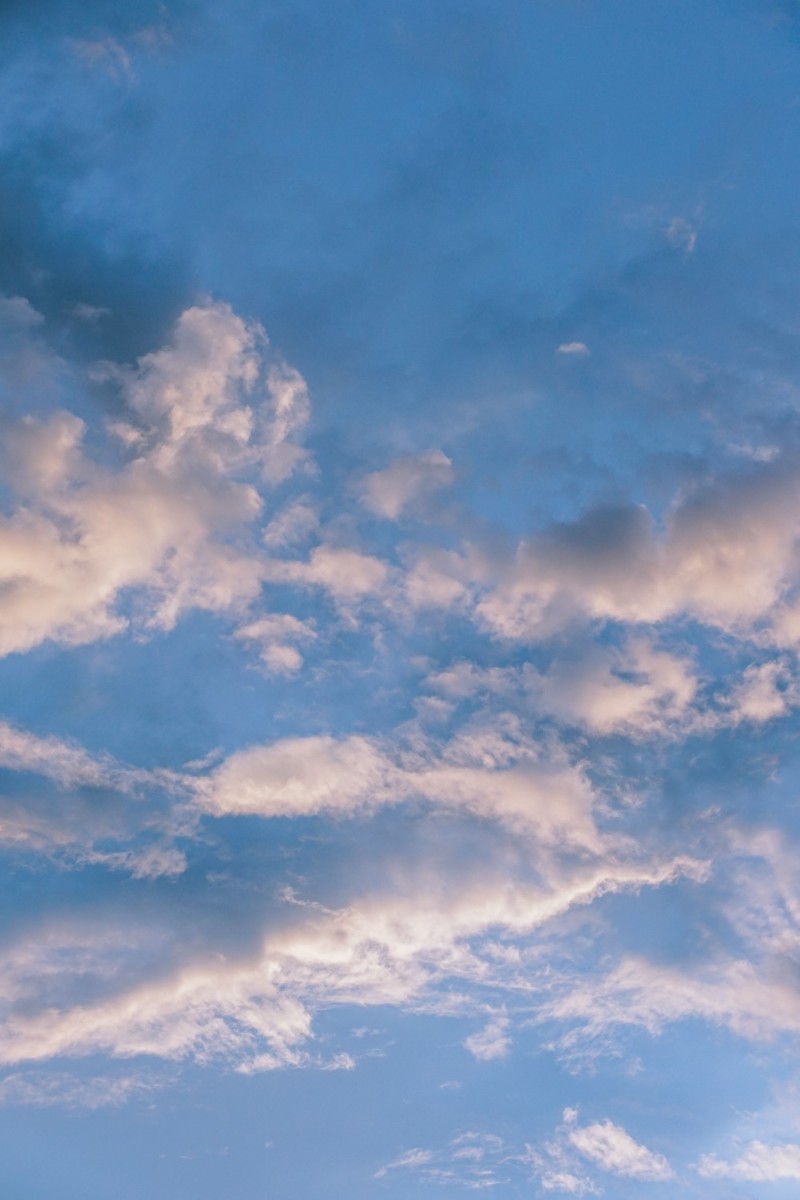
(766, 691)
(302, 777)
(490, 1042)
(726, 557)
(405, 482)
(205, 413)
(275, 635)
(638, 688)
(613, 1149)
(481, 772)
(759, 1163)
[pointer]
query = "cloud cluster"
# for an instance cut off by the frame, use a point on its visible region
(167, 516)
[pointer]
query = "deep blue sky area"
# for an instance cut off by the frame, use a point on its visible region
(399, 599)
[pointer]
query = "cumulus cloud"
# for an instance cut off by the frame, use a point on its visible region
(346, 574)
(490, 1042)
(483, 772)
(207, 417)
(405, 482)
(302, 777)
(636, 688)
(765, 692)
(276, 636)
(726, 557)
(613, 1149)
(759, 1163)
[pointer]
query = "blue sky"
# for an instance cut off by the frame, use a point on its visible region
(399, 599)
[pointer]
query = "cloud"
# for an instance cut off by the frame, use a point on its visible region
(473, 1161)
(74, 986)
(766, 691)
(59, 1089)
(681, 235)
(612, 1148)
(490, 1042)
(574, 349)
(276, 636)
(205, 417)
(726, 558)
(567, 1182)
(302, 777)
(345, 573)
(481, 772)
(760, 1163)
(737, 994)
(407, 481)
(88, 802)
(637, 689)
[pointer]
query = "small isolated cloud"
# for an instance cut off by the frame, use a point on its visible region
(574, 349)
(276, 635)
(490, 1042)
(681, 235)
(760, 1163)
(612, 1148)
(405, 482)
(105, 54)
(412, 1158)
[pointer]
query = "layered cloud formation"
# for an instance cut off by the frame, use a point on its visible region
(399, 599)
(519, 812)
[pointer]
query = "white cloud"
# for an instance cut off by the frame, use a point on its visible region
(766, 691)
(490, 1042)
(612, 1148)
(276, 636)
(301, 777)
(64, 762)
(59, 1089)
(574, 349)
(348, 576)
(75, 987)
(206, 413)
(759, 1163)
(569, 1183)
(726, 558)
(405, 482)
(292, 525)
(637, 689)
(748, 998)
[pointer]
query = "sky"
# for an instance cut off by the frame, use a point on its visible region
(399, 599)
